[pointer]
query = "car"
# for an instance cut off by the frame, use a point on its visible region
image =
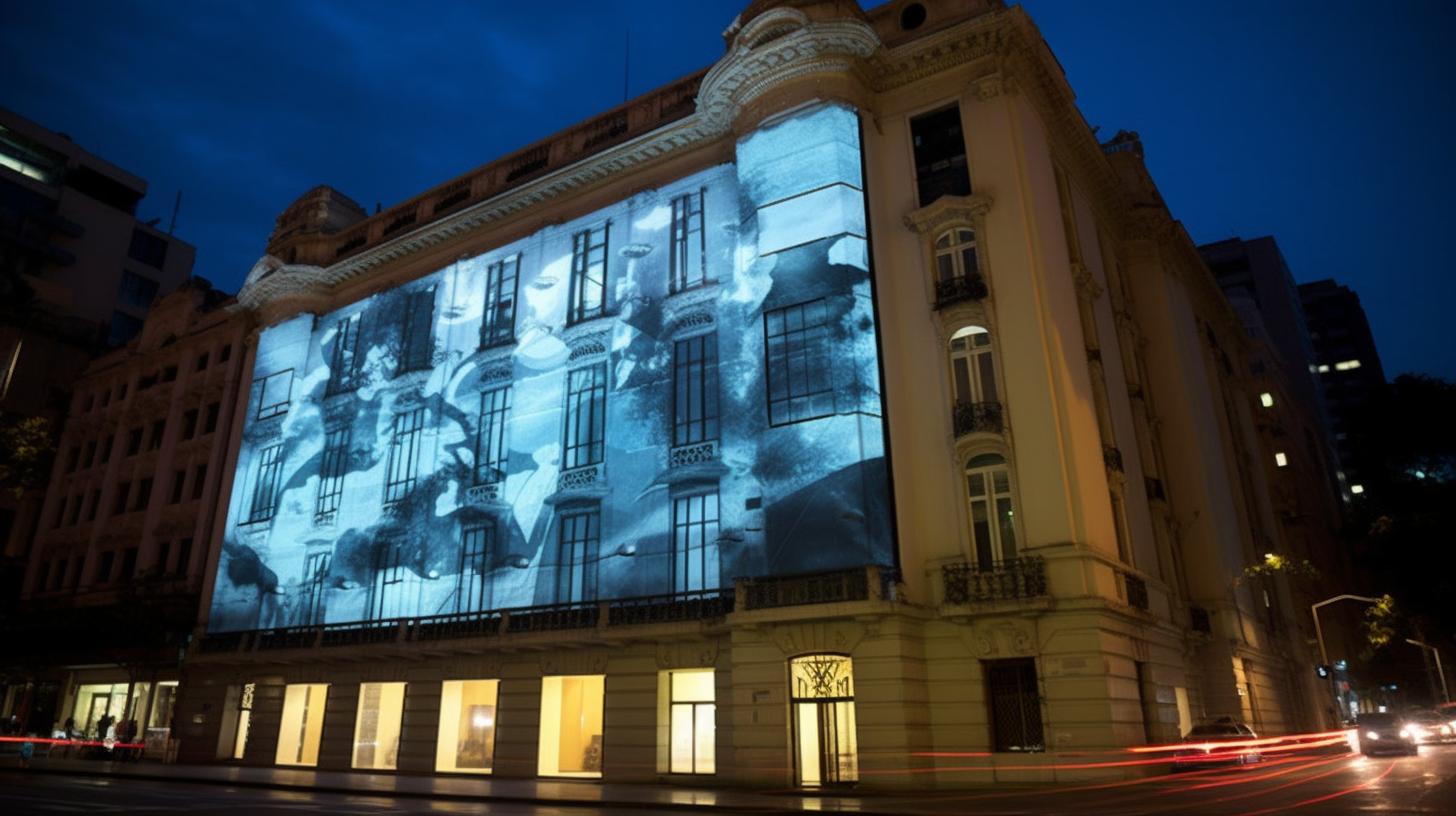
(1222, 741)
(1432, 726)
(1386, 733)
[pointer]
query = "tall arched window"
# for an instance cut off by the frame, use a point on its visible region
(973, 382)
(993, 519)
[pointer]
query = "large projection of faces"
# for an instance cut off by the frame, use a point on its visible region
(668, 394)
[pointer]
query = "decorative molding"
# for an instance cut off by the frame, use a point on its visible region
(692, 654)
(795, 639)
(950, 211)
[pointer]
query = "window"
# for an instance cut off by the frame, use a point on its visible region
(688, 259)
(149, 249)
(91, 453)
(586, 415)
(103, 570)
(467, 726)
(695, 542)
(490, 436)
(498, 323)
(178, 477)
(1266, 399)
(344, 363)
(1346, 365)
(571, 726)
(404, 454)
(315, 574)
(1014, 698)
(331, 473)
(588, 275)
(796, 347)
(133, 441)
(302, 725)
(691, 722)
(94, 505)
(75, 515)
(472, 585)
(377, 727)
(118, 501)
(940, 155)
(169, 374)
(993, 527)
(158, 428)
(199, 479)
(239, 742)
(73, 458)
(189, 424)
(1357, 489)
(416, 347)
(274, 392)
(821, 699)
(212, 412)
(955, 255)
(202, 361)
(59, 577)
(265, 486)
(136, 290)
(106, 448)
(973, 382)
(394, 592)
(578, 542)
(695, 390)
(164, 549)
(184, 555)
(128, 562)
(227, 352)
(1281, 459)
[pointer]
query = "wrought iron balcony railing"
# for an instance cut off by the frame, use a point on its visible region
(971, 417)
(953, 290)
(799, 590)
(1008, 580)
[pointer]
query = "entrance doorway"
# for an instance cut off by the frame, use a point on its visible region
(99, 704)
(821, 697)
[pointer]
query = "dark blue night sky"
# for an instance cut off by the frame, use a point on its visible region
(1326, 124)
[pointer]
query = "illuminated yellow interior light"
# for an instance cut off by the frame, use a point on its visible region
(1280, 459)
(1266, 399)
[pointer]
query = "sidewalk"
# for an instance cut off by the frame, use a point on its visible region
(536, 791)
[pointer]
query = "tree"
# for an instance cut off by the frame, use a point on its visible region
(27, 446)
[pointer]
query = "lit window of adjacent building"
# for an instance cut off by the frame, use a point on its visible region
(796, 351)
(490, 436)
(265, 485)
(940, 155)
(695, 541)
(1357, 489)
(343, 364)
(1281, 459)
(691, 721)
(498, 324)
(588, 295)
(1323, 369)
(1266, 399)
(579, 539)
(571, 734)
(688, 258)
(993, 523)
(302, 724)
(586, 416)
(466, 741)
(331, 473)
(377, 726)
(274, 392)
(1347, 365)
(695, 390)
(472, 583)
(404, 454)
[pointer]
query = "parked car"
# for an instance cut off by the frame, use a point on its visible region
(1432, 726)
(1386, 733)
(1217, 743)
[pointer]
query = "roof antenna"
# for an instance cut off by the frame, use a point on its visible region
(176, 205)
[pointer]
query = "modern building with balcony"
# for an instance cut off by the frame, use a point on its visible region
(114, 576)
(842, 414)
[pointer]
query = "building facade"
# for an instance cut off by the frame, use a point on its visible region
(827, 417)
(1348, 365)
(115, 574)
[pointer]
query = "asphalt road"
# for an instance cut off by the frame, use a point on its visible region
(1321, 785)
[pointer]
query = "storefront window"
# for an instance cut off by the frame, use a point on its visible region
(571, 726)
(245, 719)
(467, 726)
(95, 701)
(691, 718)
(303, 723)
(376, 731)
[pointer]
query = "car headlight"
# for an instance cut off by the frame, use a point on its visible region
(1372, 735)
(1407, 732)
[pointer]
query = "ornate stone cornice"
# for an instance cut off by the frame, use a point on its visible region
(948, 211)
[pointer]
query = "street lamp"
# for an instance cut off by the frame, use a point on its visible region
(1440, 672)
(1320, 636)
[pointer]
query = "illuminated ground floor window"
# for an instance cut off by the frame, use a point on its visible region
(99, 708)
(691, 722)
(467, 726)
(245, 719)
(303, 723)
(376, 730)
(821, 693)
(571, 726)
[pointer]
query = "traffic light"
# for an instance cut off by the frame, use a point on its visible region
(1323, 671)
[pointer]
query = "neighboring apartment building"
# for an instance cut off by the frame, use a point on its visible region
(824, 417)
(1348, 365)
(78, 273)
(114, 576)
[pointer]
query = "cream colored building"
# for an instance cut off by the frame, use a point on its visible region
(1069, 437)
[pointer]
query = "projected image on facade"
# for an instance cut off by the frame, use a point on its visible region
(667, 394)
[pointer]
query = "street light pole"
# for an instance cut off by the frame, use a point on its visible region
(1320, 636)
(1440, 672)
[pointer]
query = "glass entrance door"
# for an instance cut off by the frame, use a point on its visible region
(822, 699)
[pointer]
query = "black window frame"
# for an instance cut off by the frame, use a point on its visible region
(473, 588)
(706, 529)
(268, 410)
(796, 355)
(1013, 703)
(406, 441)
(593, 396)
(264, 502)
(331, 471)
(584, 249)
(695, 397)
(417, 332)
(502, 288)
(344, 362)
(579, 533)
(491, 439)
(687, 227)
